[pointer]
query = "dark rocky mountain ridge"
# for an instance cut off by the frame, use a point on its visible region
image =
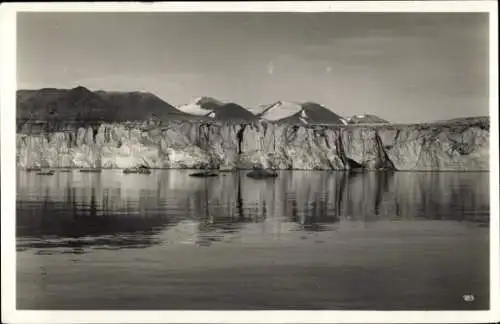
(81, 104)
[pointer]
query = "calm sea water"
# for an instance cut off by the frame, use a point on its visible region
(305, 240)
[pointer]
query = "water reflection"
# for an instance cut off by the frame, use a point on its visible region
(77, 211)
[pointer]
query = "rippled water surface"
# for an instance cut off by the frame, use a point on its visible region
(305, 240)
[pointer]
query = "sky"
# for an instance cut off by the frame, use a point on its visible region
(403, 67)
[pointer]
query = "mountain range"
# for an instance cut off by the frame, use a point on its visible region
(81, 104)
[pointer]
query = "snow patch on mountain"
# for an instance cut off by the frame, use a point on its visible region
(280, 110)
(194, 109)
(216, 109)
(201, 106)
(303, 120)
(257, 110)
(367, 119)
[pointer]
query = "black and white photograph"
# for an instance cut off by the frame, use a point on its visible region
(219, 158)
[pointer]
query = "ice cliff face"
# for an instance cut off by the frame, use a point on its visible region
(456, 146)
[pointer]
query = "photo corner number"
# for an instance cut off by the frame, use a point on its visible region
(469, 298)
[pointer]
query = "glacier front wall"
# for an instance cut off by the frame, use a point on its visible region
(463, 147)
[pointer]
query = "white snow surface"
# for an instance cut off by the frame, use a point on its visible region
(303, 120)
(194, 107)
(257, 110)
(281, 109)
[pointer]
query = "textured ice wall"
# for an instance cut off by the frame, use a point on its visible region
(463, 146)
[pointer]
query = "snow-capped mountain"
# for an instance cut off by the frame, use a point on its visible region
(216, 109)
(201, 106)
(301, 113)
(280, 110)
(367, 119)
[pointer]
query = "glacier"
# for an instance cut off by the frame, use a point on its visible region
(454, 146)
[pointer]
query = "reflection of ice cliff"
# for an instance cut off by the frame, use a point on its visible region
(172, 208)
(318, 194)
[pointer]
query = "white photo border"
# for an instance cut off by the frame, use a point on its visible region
(8, 13)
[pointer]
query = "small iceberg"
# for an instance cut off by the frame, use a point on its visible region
(50, 172)
(204, 174)
(261, 174)
(139, 170)
(91, 170)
